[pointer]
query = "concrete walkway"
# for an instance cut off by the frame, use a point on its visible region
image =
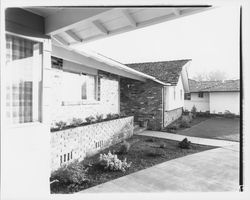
(208, 171)
(196, 140)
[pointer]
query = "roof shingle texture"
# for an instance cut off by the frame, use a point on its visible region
(165, 71)
(214, 86)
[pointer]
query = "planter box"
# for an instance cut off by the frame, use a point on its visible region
(79, 142)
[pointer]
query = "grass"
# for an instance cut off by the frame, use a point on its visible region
(144, 152)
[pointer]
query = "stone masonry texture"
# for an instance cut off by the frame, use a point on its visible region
(77, 143)
(143, 100)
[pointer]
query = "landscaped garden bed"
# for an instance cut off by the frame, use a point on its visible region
(139, 152)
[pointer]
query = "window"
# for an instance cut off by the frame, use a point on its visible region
(187, 96)
(90, 88)
(200, 94)
(24, 67)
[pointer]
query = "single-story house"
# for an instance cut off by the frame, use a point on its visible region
(158, 103)
(215, 97)
(45, 79)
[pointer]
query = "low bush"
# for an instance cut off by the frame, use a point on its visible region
(124, 148)
(162, 146)
(71, 176)
(113, 163)
(61, 124)
(90, 119)
(99, 118)
(228, 114)
(112, 116)
(184, 124)
(185, 144)
(76, 122)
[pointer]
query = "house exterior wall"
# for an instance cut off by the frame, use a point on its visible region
(143, 100)
(222, 101)
(25, 147)
(174, 101)
(77, 143)
(65, 109)
(201, 104)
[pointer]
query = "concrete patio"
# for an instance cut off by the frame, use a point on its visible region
(215, 170)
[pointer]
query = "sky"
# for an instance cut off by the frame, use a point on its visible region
(210, 39)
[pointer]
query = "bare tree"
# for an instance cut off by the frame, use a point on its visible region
(211, 76)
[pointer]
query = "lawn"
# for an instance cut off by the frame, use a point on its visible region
(144, 152)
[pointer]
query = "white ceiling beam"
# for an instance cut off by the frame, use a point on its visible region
(177, 12)
(100, 27)
(129, 18)
(69, 18)
(73, 36)
(60, 40)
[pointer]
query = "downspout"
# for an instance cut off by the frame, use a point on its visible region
(163, 107)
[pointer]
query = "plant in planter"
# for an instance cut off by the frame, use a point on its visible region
(113, 163)
(90, 119)
(99, 118)
(185, 144)
(61, 124)
(76, 122)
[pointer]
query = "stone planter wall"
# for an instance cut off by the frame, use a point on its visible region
(77, 143)
(171, 116)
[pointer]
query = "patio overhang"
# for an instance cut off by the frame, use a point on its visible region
(100, 62)
(75, 26)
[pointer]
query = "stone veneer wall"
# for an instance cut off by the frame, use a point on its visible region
(171, 116)
(142, 100)
(77, 143)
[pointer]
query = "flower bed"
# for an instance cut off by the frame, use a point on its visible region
(76, 143)
(144, 152)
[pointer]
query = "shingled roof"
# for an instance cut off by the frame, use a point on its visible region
(165, 71)
(214, 86)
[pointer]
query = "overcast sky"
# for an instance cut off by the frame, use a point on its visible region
(210, 39)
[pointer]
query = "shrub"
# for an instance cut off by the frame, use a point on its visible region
(124, 148)
(72, 175)
(90, 119)
(228, 114)
(185, 144)
(184, 124)
(162, 146)
(111, 162)
(61, 124)
(76, 122)
(112, 116)
(99, 118)
(194, 111)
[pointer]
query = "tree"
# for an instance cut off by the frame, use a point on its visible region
(211, 76)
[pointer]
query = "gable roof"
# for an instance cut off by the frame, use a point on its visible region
(165, 71)
(214, 86)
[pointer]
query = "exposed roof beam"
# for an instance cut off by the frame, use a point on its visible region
(129, 18)
(68, 18)
(60, 40)
(177, 12)
(100, 27)
(73, 36)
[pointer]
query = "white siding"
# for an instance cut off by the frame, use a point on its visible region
(174, 101)
(201, 104)
(222, 101)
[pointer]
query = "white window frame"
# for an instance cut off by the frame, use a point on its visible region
(40, 110)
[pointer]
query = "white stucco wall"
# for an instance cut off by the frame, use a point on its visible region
(201, 104)
(222, 101)
(172, 102)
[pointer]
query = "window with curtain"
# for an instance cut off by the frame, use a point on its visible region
(23, 65)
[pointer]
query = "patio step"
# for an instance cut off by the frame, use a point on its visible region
(138, 129)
